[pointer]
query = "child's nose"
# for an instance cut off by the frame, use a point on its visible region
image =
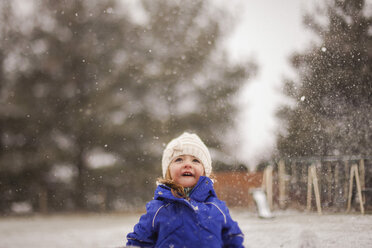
(187, 165)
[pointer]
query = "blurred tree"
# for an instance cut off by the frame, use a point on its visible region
(332, 115)
(93, 83)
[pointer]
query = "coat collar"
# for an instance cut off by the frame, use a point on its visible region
(202, 190)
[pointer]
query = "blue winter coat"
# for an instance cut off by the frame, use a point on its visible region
(203, 221)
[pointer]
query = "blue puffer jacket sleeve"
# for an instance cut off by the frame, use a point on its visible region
(232, 236)
(143, 234)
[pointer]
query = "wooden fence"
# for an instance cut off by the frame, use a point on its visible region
(333, 183)
(234, 187)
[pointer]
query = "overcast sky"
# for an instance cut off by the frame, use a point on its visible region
(268, 32)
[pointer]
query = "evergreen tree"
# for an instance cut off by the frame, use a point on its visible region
(90, 80)
(333, 98)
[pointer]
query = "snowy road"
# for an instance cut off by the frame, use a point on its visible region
(287, 229)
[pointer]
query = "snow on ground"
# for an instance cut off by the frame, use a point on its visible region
(287, 229)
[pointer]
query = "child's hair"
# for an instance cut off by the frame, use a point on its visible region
(176, 189)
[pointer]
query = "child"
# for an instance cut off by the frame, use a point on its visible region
(185, 211)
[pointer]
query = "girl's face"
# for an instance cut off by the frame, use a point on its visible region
(186, 170)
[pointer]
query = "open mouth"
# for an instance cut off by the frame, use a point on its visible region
(187, 174)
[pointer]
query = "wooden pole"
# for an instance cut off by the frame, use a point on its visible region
(350, 190)
(103, 194)
(282, 196)
(316, 190)
(362, 179)
(43, 200)
(267, 184)
(337, 187)
(359, 188)
(346, 178)
(313, 181)
(329, 182)
(308, 205)
(337, 180)
(355, 174)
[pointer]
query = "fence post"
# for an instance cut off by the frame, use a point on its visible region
(338, 198)
(308, 205)
(43, 200)
(362, 179)
(267, 184)
(313, 181)
(329, 183)
(316, 190)
(354, 173)
(347, 166)
(282, 195)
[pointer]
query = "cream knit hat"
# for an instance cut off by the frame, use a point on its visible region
(187, 144)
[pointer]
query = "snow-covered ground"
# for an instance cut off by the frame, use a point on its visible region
(286, 229)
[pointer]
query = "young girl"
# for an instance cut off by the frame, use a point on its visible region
(185, 211)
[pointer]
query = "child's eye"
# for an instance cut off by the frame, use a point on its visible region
(178, 160)
(196, 160)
